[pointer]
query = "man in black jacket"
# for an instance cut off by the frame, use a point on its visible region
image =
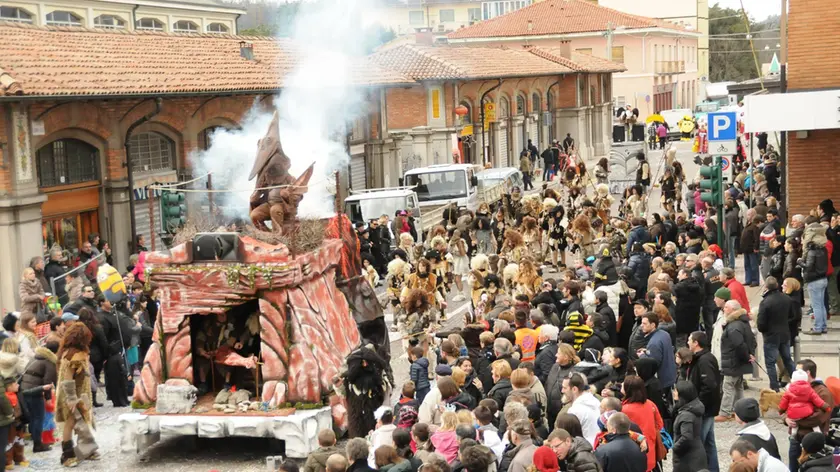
(749, 246)
(549, 160)
(689, 303)
(53, 270)
(704, 373)
(620, 453)
(737, 353)
(711, 281)
(547, 352)
(772, 323)
(608, 315)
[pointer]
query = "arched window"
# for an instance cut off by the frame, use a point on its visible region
(520, 105)
(217, 28)
(151, 152)
(466, 119)
(536, 103)
(109, 22)
(148, 24)
(67, 161)
(185, 26)
(205, 137)
(15, 14)
(504, 108)
(63, 18)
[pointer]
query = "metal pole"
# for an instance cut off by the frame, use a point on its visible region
(752, 165)
(483, 131)
(783, 89)
(152, 231)
(719, 203)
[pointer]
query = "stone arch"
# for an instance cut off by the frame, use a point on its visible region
(98, 142)
(502, 107)
(537, 100)
(170, 133)
(469, 118)
(86, 116)
(520, 104)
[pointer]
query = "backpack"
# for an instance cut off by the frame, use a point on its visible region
(407, 417)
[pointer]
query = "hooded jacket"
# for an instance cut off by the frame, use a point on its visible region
(689, 302)
(546, 357)
(40, 372)
(646, 368)
(821, 462)
(773, 313)
(689, 454)
(639, 234)
(419, 374)
(814, 262)
(640, 265)
(759, 434)
(704, 373)
(621, 454)
(659, 347)
(581, 458)
(31, 295)
(800, 400)
(737, 344)
(553, 389)
(317, 460)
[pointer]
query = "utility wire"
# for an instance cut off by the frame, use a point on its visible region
(741, 52)
(739, 34)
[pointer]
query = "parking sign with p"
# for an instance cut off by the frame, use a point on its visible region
(723, 133)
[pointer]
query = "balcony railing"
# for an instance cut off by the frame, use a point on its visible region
(670, 67)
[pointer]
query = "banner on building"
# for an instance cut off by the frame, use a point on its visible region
(489, 114)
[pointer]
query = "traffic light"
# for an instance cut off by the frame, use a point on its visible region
(173, 209)
(712, 184)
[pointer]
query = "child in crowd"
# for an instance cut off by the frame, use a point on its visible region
(800, 399)
(14, 446)
(419, 372)
(407, 407)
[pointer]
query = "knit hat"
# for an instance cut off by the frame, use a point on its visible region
(545, 460)
(575, 319)
(747, 409)
(799, 376)
(521, 427)
(724, 294)
(443, 370)
(813, 442)
(9, 365)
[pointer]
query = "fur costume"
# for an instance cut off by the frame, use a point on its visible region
(549, 204)
(394, 282)
(509, 274)
(487, 301)
(583, 235)
(418, 313)
(532, 236)
(366, 387)
(514, 248)
(479, 265)
(407, 244)
(528, 282)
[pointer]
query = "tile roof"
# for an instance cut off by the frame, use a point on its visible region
(71, 61)
(578, 62)
(558, 17)
(448, 63)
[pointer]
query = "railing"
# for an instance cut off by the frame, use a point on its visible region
(670, 67)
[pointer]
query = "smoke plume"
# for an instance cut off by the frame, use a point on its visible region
(317, 103)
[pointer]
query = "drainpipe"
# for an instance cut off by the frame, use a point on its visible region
(483, 132)
(134, 16)
(149, 116)
(551, 105)
(236, 23)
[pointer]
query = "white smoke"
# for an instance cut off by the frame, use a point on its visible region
(318, 100)
(317, 103)
(229, 159)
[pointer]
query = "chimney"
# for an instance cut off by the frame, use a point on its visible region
(566, 49)
(424, 37)
(246, 50)
(530, 25)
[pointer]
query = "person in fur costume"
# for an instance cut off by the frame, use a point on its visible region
(603, 201)
(583, 235)
(528, 281)
(423, 279)
(73, 403)
(513, 205)
(509, 274)
(514, 248)
(364, 384)
(407, 244)
(634, 204)
(479, 268)
(487, 299)
(602, 171)
(557, 242)
(441, 267)
(394, 282)
(532, 235)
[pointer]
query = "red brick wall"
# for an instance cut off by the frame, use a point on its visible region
(406, 107)
(813, 44)
(808, 182)
(566, 92)
(5, 151)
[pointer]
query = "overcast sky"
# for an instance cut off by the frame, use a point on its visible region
(757, 9)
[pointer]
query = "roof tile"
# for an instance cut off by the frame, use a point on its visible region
(71, 61)
(558, 17)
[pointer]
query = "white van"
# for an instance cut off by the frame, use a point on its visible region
(370, 204)
(443, 184)
(508, 177)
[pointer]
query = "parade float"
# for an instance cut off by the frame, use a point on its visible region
(283, 296)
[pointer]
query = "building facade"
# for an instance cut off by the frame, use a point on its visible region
(527, 94)
(176, 16)
(660, 58)
(441, 16)
(63, 141)
(810, 153)
(691, 14)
